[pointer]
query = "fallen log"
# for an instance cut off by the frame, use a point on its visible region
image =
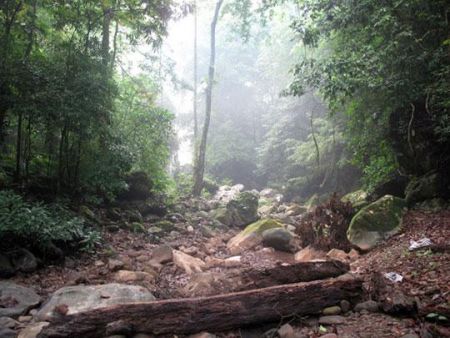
(215, 313)
(214, 283)
(291, 273)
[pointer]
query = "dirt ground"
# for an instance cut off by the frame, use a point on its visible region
(425, 275)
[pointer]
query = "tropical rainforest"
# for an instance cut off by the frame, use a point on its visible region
(247, 152)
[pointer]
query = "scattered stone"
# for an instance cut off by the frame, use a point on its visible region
(115, 264)
(202, 335)
(370, 306)
(99, 264)
(126, 276)
(81, 298)
(251, 236)
(9, 323)
(188, 263)
(375, 222)
(332, 310)
(331, 320)
(286, 331)
(309, 254)
(25, 319)
(162, 254)
(190, 228)
(353, 255)
(329, 335)
(345, 306)
(277, 238)
(6, 268)
(16, 300)
(410, 335)
(7, 333)
(338, 255)
(32, 330)
(23, 260)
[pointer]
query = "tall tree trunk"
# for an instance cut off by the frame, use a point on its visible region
(18, 173)
(107, 14)
(200, 163)
(116, 33)
(195, 76)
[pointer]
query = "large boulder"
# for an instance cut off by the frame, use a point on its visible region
(16, 300)
(80, 298)
(251, 236)
(243, 209)
(139, 187)
(427, 187)
(239, 211)
(377, 221)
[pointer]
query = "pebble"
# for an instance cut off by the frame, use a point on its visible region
(345, 305)
(25, 319)
(7, 333)
(286, 331)
(332, 310)
(8, 323)
(329, 335)
(190, 228)
(370, 306)
(331, 320)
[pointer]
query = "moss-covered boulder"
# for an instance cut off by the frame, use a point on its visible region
(424, 188)
(377, 221)
(251, 236)
(243, 209)
(240, 211)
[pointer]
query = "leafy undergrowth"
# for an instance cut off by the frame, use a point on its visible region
(39, 226)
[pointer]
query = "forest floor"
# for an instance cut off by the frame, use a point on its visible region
(426, 276)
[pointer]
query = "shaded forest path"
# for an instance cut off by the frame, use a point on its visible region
(180, 256)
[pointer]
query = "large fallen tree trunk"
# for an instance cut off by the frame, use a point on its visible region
(214, 313)
(290, 273)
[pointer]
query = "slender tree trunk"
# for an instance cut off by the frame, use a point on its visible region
(107, 14)
(195, 76)
(200, 163)
(116, 33)
(17, 175)
(313, 134)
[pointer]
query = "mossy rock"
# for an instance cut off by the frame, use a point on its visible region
(355, 197)
(222, 215)
(251, 236)
(262, 225)
(377, 221)
(423, 188)
(244, 208)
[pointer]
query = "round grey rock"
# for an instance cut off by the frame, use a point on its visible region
(16, 300)
(277, 238)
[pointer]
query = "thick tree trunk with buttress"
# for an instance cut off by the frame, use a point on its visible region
(216, 313)
(200, 162)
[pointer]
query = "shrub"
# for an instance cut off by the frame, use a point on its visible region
(40, 226)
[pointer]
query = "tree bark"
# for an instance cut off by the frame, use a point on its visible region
(195, 76)
(216, 313)
(200, 163)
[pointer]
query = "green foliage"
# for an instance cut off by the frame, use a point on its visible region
(375, 60)
(39, 225)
